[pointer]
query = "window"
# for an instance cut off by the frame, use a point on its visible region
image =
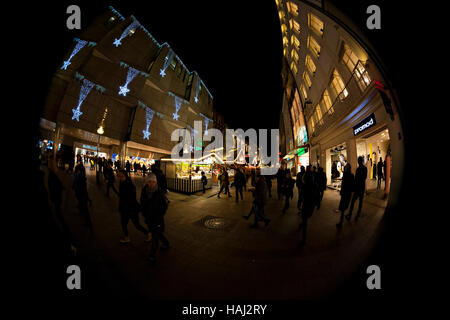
(326, 102)
(179, 71)
(311, 123)
(313, 46)
(294, 55)
(353, 64)
(295, 26)
(295, 41)
(283, 28)
(319, 114)
(294, 67)
(281, 14)
(306, 79)
(285, 41)
(292, 8)
(173, 64)
(310, 65)
(315, 24)
(285, 52)
(303, 92)
(338, 86)
(349, 58)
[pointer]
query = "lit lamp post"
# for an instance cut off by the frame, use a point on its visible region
(100, 131)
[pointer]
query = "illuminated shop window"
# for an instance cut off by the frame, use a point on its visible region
(285, 52)
(294, 55)
(315, 24)
(292, 8)
(313, 46)
(310, 65)
(338, 87)
(307, 79)
(281, 14)
(295, 26)
(326, 102)
(294, 67)
(303, 92)
(295, 41)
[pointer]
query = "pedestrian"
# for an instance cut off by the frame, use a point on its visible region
(81, 193)
(269, 184)
(144, 169)
(129, 207)
(154, 205)
(280, 179)
(379, 173)
(299, 184)
(321, 185)
(55, 188)
(253, 176)
(259, 195)
(128, 167)
(346, 192)
(92, 164)
(374, 168)
(224, 183)
(288, 190)
(239, 182)
(308, 192)
(204, 181)
(359, 187)
(110, 178)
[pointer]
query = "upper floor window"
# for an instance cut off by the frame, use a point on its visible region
(313, 46)
(294, 25)
(173, 63)
(285, 41)
(362, 76)
(338, 86)
(307, 79)
(311, 123)
(326, 102)
(283, 28)
(303, 92)
(310, 65)
(294, 67)
(292, 8)
(281, 14)
(318, 113)
(315, 24)
(295, 41)
(294, 55)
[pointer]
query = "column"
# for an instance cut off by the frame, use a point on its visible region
(122, 153)
(352, 155)
(328, 165)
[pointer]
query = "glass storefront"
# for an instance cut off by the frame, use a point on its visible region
(338, 161)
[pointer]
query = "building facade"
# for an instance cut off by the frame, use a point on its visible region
(122, 92)
(346, 102)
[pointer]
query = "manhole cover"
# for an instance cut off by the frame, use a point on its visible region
(216, 223)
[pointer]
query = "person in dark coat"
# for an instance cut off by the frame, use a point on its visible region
(346, 191)
(55, 188)
(359, 188)
(379, 173)
(299, 184)
(239, 182)
(280, 178)
(321, 185)
(81, 193)
(308, 193)
(269, 184)
(154, 205)
(144, 169)
(374, 168)
(259, 195)
(224, 182)
(287, 190)
(204, 182)
(128, 167)
(128, 206)
(110, 178)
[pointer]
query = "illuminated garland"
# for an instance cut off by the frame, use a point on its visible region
(197, 89)
(80, 44)
(149, 113)
(134, 25)
(132, 73)
(85, 89)
(167, 60)
(178, 102)
(207, 120)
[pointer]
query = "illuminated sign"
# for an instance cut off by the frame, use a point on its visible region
(364, 125)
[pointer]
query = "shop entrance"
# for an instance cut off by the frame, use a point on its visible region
(338, 155)
(375, 149)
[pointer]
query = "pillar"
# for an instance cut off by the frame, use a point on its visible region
(352, 155)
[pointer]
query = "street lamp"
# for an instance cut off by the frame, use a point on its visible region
(100, 131)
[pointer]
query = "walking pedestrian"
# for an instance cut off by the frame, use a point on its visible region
(224, 183)
(299, 184)
(129, 207)
(321, 185)
(128, 167)
(346, 192)
(308, 193)
(259, 195)
(81, 193)
(360, 187)
(154, 205)
(204, 181)
(379, 173)
(110, 178)
(288, 190)
(239, 182)
(144, 169)
(280, 179)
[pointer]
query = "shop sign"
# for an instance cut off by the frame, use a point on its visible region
(89, 147)
(301, 151)
(365, 124)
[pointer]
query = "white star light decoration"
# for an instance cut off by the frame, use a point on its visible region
(80, 44)
(178, 102)
(135, 24)
(167, 60)
(149, 113)
(196, 89)
(132, 73)
(207, 120)
(85, 89)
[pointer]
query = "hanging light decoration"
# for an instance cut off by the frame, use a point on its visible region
(129, 30)
(178, 102)
(197, 89)
(85, 89)
(80, 44)
(149, 113)
(207, 120)
(167, 61)
(132, 73)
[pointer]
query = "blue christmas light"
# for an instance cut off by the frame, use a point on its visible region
(80, 44)
(85, 89)
(132, 73)
(178, 102)
(149, 113)
(197, 89)
(135, 24)
(207, 120)
(167, 60)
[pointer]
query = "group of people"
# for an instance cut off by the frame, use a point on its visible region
(153, 202)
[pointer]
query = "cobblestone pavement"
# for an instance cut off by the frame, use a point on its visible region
(235, 262)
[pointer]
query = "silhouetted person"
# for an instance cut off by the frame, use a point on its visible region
(379, 173)
(144, 169)
(374, 168)
(253, 178)
(359, 188)
(224, 182)
(288, 190)
(309, 201)
(280, 178)
(154, 205)
(128, 167)
(204, 182)
(128, 206)
(259, 194)
(321, 185)
(299, 184)
(269, 184)
(81, 193)
(239, 182)
(110, 178)
(346, 191)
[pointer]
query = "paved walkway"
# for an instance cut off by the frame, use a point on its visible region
(235, 263)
